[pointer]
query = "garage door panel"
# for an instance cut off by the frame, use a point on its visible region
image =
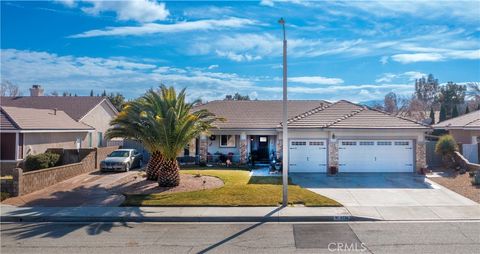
(307, 156)
(376, 156)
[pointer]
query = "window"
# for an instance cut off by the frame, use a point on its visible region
(367, 143)
(299, 143)
(349, 143)
(227, 141)
(402, 143)
(90, 140)
(100, 138)
(316, 143)
(263, 139)
(384, 143)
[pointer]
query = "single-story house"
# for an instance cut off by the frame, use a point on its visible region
(465, 128)
(31, 124)
(94, 111)
(351, 137)
(27, 131)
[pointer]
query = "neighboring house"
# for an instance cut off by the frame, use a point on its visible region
(466, 131)
(30, 131)
(352, 137)
(94, 111)
(465, 128)
(90, 116)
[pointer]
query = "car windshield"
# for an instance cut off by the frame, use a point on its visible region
(119, 154)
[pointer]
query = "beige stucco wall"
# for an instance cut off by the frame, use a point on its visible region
(99, 118)
(35, 143)
(464, 136)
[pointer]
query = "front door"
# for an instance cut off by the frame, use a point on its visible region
(263, 148)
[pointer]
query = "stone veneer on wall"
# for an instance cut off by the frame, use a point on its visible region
(203, 148)
(421, 156)
(332, 154)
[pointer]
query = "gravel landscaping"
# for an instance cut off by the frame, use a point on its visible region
(459, 183)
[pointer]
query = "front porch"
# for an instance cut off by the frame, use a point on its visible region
(235, 147)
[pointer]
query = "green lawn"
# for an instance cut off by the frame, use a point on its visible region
(239, 190)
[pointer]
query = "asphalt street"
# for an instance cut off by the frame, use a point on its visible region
(362, 237)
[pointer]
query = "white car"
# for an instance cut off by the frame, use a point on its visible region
(122, 160)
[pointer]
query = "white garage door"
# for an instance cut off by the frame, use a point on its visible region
(308, 156)
(375, 156)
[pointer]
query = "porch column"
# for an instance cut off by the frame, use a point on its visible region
(243, 148)
(474, 139)
(333, 153)
(203, 147)
(192, 147)
(279, 145)
(420, 155)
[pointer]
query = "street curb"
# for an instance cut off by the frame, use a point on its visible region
(184, 219)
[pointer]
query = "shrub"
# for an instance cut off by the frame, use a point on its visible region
(476, 178)
(43, 160)
(446, 145)
(4, 195)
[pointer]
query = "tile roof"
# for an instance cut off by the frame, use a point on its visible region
(75, 106)
(41, 119)
(467, 121)
(347, 115)
(6, 123)
(258, 114)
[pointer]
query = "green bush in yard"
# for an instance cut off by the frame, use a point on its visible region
(446, 145)
(41, 161)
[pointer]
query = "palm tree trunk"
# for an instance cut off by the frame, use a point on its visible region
(169, 175)
(154, 166)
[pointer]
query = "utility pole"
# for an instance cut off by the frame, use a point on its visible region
(285, 119)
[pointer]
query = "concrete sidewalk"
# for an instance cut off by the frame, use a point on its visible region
(175, 214)
(234, 214)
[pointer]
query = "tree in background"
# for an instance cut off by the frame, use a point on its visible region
(237, 97)
(91, 93)
(390, 102)
(432, 116)
(443, 113)
(452, 95)
(54, 93)
(104, 94)
(117, 99)
(426, 90)
(9, 89)
(454, 111)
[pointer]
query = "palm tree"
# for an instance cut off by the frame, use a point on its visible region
(164, 123)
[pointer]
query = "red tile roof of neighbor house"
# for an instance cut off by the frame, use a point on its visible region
(75, 106)
(39, 119)
(469, 121)
(347, 115)
(257, 114)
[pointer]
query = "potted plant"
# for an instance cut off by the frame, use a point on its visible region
(333, 170)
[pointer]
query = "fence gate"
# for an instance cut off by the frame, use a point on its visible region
(470, 152)
(433, 159)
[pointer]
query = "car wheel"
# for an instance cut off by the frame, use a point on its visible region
(127, 167)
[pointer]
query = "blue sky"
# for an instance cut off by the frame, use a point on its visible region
(354, 50)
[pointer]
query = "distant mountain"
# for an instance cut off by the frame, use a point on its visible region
(372, 103)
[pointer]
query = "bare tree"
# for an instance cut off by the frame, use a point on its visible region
(390, 102)
(7, 88)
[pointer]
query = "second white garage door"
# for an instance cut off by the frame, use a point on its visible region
(375, 156)
(308, 156)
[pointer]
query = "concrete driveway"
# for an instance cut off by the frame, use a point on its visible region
(392, 195)
(93, 189)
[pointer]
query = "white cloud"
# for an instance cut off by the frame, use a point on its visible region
(154, 28)
(267, 3)
(237, 57)
(418, 57)
(319, 80)
(137, 10)
(406, 77)
(213, 66)
(384, 59)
